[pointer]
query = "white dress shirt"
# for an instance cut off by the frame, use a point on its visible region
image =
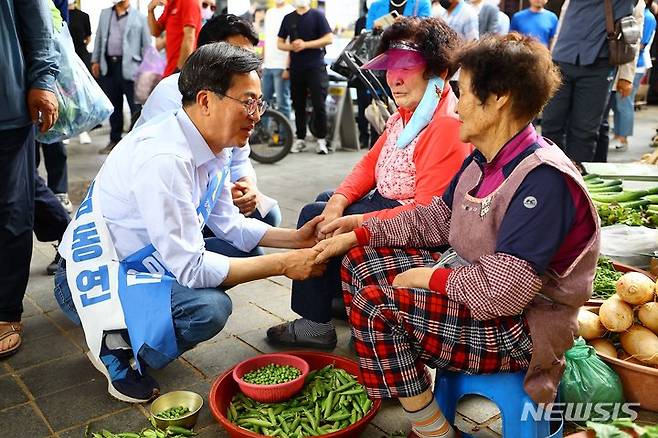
(165, 98)
(149, 189)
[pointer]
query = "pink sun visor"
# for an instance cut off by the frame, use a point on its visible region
(400, 54)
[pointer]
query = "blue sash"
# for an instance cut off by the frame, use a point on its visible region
(145, 288)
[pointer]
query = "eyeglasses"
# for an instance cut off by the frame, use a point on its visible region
(206, 4)
(251, 105)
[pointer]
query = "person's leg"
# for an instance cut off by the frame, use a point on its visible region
(17, 167)
(113, 88)
(623, 116)
(392, 332)
(135, 108)
(603, 140)
(363, 99)
(298, 92)
(219, 246)
(272, 218)
(312, 298)
(557, 111)
(50, 218)
(283, 96)
(267, 85)
(54, 157)
(318, 85)
(590, 92)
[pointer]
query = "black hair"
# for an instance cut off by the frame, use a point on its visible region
(221, 27)
(212, 67)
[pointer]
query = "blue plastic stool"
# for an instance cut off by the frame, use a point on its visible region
(504, 389)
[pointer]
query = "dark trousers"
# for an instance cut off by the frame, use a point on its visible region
(17, 167)
(54, 158)
(603, 142)
(573, 116)
(115, 87)
(367, 135)
(314, 82)
(311, 298)
(50, 218)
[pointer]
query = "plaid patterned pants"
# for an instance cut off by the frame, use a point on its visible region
(398, 331)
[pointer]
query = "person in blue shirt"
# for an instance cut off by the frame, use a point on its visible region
(27, 78)
(407, 8)
(535, 21)
(623, 106)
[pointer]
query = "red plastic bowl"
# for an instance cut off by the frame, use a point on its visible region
(271, 393)
(225, 387)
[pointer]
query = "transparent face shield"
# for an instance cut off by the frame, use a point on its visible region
(400, 54)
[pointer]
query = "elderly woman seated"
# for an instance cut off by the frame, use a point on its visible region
(524, 240)
(413, 161)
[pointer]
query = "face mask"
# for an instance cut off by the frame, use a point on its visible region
(279, 2)
(445, 3)
(301, 3)
(206, 14)
(116, 2)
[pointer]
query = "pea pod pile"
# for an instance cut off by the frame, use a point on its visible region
(169, 432)
(173, 413)
(272, 374)
(331, 400)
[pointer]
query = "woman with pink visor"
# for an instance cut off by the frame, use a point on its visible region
(413, 161)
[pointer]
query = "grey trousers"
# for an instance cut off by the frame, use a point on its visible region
(573, 116)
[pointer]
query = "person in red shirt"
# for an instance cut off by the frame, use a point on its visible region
(405, 168)
(181, 22)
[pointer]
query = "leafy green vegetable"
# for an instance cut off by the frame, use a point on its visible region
(605, 279)
(607, 430)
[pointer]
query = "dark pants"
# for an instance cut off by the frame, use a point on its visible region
(17, 167)
(573, 116)
(115, 87)
(603, 142)
(50, 218)
(311, 298)
(54, 158)
(314, 82)
(367, 135)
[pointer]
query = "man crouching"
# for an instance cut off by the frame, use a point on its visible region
(137, 273)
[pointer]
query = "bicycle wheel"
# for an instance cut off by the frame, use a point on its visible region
(272, 138)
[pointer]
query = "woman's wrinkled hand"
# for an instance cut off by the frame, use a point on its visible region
(341, 225)
(334, 247)
(301, 264)
(330, 214)
(414, 277)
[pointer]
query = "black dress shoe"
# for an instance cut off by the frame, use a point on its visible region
(284, 335)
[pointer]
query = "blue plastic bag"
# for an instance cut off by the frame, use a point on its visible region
(82, 103)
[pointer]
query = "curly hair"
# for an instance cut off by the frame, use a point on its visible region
(512, 64)
(436, 41)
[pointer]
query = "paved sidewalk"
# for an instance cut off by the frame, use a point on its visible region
(50, 389)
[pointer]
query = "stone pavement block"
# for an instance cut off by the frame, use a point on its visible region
(278, 305)
(43, 350)
(60, 374)
(61, 320)
(29, 309)
(214, 431)
(256, 338)
(282, 281)
(23, 422)
(40, 290)
(128, 420)
(78, 405)
(177, 375)
(257, 291)
(38, 326)
(248, 317)
(476, 408)
(391, 418)
(10, 392)
(473, 429)
(77, 336)
(214, 358)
